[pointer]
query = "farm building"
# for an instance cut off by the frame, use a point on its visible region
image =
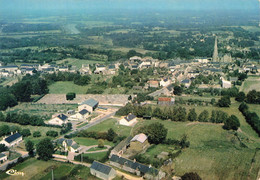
(134, 167)
(90, 105)
(12, 140)
(121, 147)
(102, 171)
(129, 120)
(139, 142)
(3, 158)
(59, 120)
(166, 101)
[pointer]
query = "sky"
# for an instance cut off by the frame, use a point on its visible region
(13, 5)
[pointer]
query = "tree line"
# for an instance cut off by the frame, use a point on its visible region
(251, 117)
(67, 76)
(22, 91)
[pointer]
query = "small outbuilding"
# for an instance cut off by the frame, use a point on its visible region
(12, 140)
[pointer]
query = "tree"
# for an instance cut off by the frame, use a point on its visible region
(212, 101)
(192, 116)
(70, 96)
(231, 123)
(111, 134)
(45, 149)
(204, 116)
(22, 91)
(37, 134)
(156, 133)
(178, 90)
(224, 101)
(240, 97)
(3, 148)
(100, 143)
(191, 176)
(29, 147)
(25, 132)
(52, 133)
(253, 97)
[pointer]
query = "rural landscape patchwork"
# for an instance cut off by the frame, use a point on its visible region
(130, 90)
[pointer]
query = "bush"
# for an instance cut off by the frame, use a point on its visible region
(70, 96)
(37, 134)
(52, 133)
(231, 123)
(224, 101)
(25, 132)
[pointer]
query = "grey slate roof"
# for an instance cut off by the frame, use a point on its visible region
(62, 117)
(101, 167)
(2, 155)
(185, 81)
(130, 117)
(133, 165)
(13, 137)
(91, 102)
(123, 143)
(83, 112)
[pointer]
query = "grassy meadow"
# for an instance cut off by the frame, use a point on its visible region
(111, 123)
(37, 169)
(250, 83)
(90, 141)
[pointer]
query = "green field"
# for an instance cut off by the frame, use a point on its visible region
(37, 169)
(64, 87)
(213, 152)
(42, 129)
(250, 84)
(96, 156)
(111, 123)
(90, 141)
(45, 110)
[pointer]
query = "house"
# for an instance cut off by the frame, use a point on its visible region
(186, 82)
(111, 69)
(9, 68)
(59, 120)
(100, 68)
(81, 115)
(165, 82)
(68, 145)
(12, 140)
(90, 105)
(153, 84)
(85, 70)
(139, 142)
(165, 101)
(134, 167)
(3, 158)
(63, 69)
(226, 84)
(121, 147)
(129, 120)
(102, 171)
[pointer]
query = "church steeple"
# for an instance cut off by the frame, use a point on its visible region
(215, 53)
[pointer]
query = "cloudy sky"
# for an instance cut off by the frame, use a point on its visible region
(128, 4)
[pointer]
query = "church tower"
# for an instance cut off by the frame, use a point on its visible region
(215, 53)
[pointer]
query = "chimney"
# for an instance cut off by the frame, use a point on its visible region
(16, 132)
(134, 160)
(11, 133)
(150, 166)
